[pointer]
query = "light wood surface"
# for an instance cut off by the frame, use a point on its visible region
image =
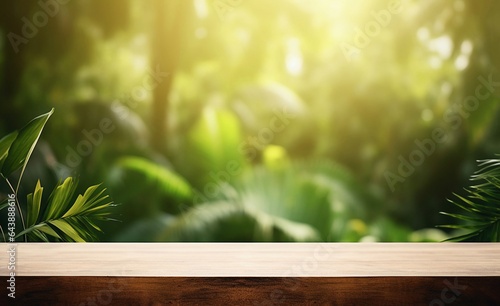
(254, 259)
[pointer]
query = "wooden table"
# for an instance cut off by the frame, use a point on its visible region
(253, 273)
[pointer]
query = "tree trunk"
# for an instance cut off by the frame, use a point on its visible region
(170, 20)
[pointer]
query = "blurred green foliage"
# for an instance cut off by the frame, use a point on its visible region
(263, 122)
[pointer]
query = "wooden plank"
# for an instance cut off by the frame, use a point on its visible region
(256, 291)
(255, 259)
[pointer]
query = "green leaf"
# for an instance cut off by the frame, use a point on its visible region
(48, 230)
(34, 202)
(225, 221)
(462, 237)
(42, 227)
(167, 180)
(215, 138)
(4, 203)
(482, 216)
(22, 147)
(81, 202)
(136, 180)
(73, 224)
(30, 229)
(5, 144)
(60, 199)
(67, 229)
(462, 217)
(38, 234)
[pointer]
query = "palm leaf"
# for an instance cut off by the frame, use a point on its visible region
(4, 203)
(37, 235)
(63, 220)
(48, 230)
(34, 201)
(291, 194)
(225, 221)
(60, 199)
(481, 205)
(67, 229)
(303, 202)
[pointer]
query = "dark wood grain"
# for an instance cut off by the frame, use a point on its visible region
(80, 290)
(254, 274)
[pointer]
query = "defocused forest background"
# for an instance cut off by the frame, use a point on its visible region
(252, 120)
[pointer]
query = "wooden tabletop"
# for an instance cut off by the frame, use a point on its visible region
(254, 259)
